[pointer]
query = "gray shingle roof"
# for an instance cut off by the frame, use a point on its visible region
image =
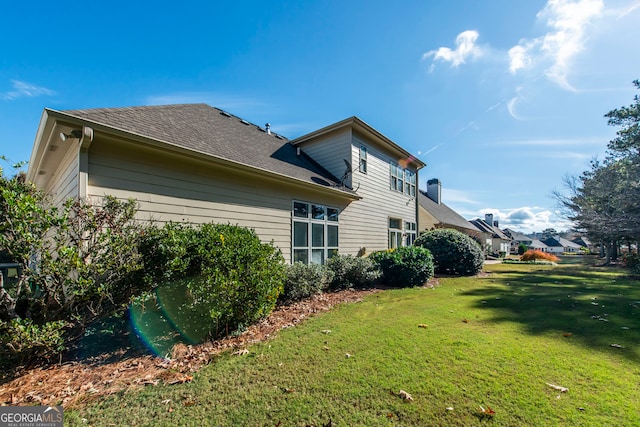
(483, 226)
(443, 213)
(213, 132)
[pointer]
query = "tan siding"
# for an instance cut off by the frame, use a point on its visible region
(366, 220)
(64, 184)
(426, 221)
(174, 189)
(330, 150)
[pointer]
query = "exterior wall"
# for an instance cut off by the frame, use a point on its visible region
(64, 183)
(364, 224)
(366, 221)
(426, 221)
(330, 151)
(170, 187)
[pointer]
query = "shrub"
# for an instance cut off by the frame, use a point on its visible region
(228, 271)
(304, 281)
(632, 262)
(25, 341)
(453, 252)
(352, 272)
(533, 255)
(522, 248)
(407, 266)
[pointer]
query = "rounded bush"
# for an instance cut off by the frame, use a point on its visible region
(352, 272)
(453, 252)
(407, 266)
(229, 272)
(304, 281)
(534, 255)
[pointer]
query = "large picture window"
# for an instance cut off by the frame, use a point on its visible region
(314, 233)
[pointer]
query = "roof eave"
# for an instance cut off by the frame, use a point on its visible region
(362, 126)
(107, 129)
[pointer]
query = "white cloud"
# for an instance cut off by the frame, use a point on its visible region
(569, 22)
(465, 49)
(628, 10)
(511, 107)
(24, 89)
(526, 219)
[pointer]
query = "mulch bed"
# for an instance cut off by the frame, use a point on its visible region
(73, 384)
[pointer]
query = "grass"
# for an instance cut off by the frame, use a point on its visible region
(492, 341)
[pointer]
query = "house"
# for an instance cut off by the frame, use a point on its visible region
(345, 188)
(432, 213)
(517, 239)
(537, 245)
(560, 245)
(495, 241)
(584, 242)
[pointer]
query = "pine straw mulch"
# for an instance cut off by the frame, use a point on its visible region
(74, 384)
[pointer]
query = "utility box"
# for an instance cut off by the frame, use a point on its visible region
(10, 273)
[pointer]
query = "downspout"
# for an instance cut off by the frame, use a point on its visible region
(83, 162)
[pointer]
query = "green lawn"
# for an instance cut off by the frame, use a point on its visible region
(485, 341)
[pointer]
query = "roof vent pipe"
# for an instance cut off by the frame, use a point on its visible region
(268, 128)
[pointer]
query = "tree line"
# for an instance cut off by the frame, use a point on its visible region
(604, 201)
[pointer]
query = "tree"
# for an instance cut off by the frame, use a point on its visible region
(604, 201)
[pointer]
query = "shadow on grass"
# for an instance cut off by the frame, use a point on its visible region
(597, 307)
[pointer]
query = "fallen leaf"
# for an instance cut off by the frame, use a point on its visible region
(287, 390)
(567, 334)
(166, 401)
(558, 387)
(487, 411)
(423, 325)
(347, 355)
(465, 320)
(406, 396)
(326, 331)
(449, 408)
(616, 346)
(241, 352)
(181, 380)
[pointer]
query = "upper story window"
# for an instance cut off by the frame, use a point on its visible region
(410, 183)
(402, 180)
(397, 177)
(363, 159)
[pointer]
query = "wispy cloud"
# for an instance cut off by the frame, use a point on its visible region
(430, 150)
(23, 89)
(450, 195)
(511, 108)
(628, 10)
(466, 48)
(569, 23)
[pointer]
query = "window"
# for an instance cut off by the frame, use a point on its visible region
(402, 180)
(410, 183)
(314, 233)
(395, 233)
(397, 178)
(363, 159)
(410, 232)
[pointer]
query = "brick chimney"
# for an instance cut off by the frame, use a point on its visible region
(434, 190)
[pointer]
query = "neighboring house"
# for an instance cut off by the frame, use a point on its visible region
(559, 245)
(432, 213)
(339, 189)
(584, 242)
(537, 245)
(517, 239)
(495, 240)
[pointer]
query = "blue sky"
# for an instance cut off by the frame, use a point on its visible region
(501, 99)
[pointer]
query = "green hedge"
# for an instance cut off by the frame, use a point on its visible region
(407, 266)
(453, 252)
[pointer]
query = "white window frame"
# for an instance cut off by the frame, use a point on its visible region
(362, 164)
(308, 250)
(410, 231)
(395, 233)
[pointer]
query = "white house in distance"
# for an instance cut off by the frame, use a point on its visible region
(345, 188)
(495, 240)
